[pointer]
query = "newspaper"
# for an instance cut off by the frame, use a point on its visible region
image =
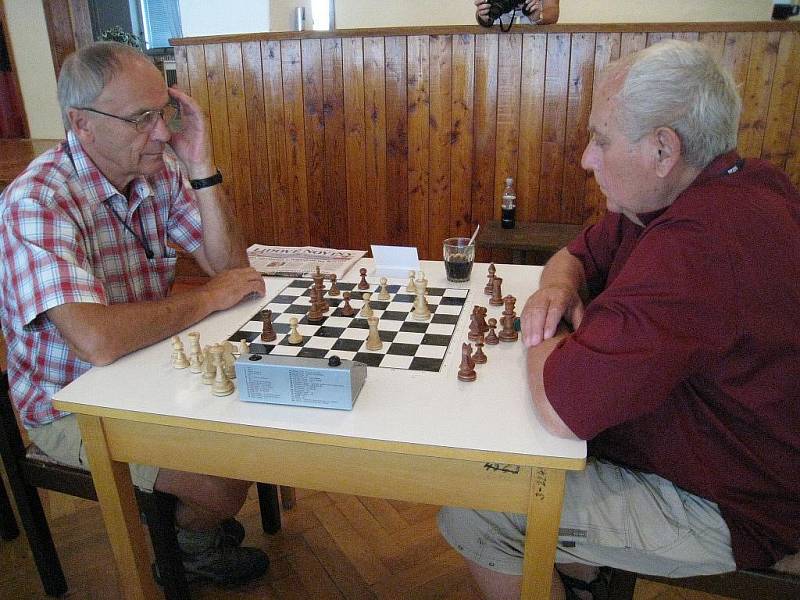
(292, 261)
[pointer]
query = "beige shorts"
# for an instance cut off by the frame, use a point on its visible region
(611, 516)
(61, 440)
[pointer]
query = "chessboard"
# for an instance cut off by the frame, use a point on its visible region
(408, 344)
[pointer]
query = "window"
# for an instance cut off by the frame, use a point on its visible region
(161, 20)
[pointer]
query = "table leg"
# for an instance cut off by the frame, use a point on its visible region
(544, 516)
(112, 480)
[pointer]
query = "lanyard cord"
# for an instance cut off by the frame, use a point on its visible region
(141, 239)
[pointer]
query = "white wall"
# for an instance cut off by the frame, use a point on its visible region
(397, 13)
(27, 34)
(217, 17)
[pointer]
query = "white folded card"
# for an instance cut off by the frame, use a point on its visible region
(395, 261)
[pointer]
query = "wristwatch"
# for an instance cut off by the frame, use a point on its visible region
(199, 184)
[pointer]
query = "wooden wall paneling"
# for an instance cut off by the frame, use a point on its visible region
(198, 84)
(441, 110)
(238, 131)
(397, 210)
(531, 108)
(358, 212)
(263, 229)
(485, 129)
(461, 135)
(509, 67)
(377, 198)
(736, 56)
(319, 224)
(756, 96)
(335, 182)
(793, 157)
(272, 71)
(632, 41)
(81, 22)
(653, 37)
(606, 50)
(182, 69)
(297, 210)
(785, 87)
(68, 28)
(686, 36)
(218, 114)
(574, 208)
(714, 41)
(418, 141)
(556, 83)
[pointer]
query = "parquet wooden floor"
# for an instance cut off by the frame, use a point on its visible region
(332, 546)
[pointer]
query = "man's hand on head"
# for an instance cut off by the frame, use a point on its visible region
(192, 144)
(544, 310)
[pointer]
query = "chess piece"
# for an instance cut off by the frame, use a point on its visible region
(508, 333)
(497, 294)
(479, 357)
(366, 309)
(347, 310)
(179, 360)
(421, 311)
(209, 370)
(474, 325)
(334, 291)
(411, 288)
(489, 286)
(383, 294)
(195, 353)
(267, 333)
(314, 314)
(222, 386)
(194, 342)
(491, 337)
(466, 370)
(295, 339)
(228, 360)
(363, 285)
(374, 339)
(480, 315)
(318, 285)
(244, 347)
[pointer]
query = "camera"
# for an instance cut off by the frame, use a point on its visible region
(500, 7)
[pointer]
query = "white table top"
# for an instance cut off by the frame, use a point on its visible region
(494, 413)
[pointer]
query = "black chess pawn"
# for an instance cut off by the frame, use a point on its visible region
(479, 356)
(347, 310)
(334, 291)
(491, 337)
(363, 285)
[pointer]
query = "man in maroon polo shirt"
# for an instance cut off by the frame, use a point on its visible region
(684, 364)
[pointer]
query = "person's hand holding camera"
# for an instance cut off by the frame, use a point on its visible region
(541, 12)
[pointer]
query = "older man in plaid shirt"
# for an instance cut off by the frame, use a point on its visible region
(86, 268)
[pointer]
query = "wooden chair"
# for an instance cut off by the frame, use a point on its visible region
(29, 469)
(747, 584)
(8, 524)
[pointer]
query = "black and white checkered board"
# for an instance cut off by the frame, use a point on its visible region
(408, 344)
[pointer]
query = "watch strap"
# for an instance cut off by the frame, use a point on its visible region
(199, 184)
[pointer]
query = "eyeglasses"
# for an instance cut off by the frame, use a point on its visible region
(146, 121)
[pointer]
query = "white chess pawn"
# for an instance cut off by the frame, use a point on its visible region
(179, 360)
(411, 288)
(244, 347)
(383, 294)
(295, 337)
(366, 310)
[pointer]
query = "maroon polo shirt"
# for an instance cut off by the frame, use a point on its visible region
(687, 362)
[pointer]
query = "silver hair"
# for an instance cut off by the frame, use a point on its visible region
(85, 73)
(679, 85)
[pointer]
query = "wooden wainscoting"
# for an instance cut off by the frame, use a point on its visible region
(405, 136)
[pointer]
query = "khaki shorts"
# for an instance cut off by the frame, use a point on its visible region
(61, 440)
(611, 516)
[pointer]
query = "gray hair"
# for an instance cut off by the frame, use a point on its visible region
(85, 73)
(679, 85)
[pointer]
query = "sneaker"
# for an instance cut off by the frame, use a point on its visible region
(232, 533)
(225, 565)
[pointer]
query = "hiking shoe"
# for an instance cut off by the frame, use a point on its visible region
(226, 565)
(232, 533)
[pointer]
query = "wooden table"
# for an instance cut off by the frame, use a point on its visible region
(414, 436)
(530, 243)
(16, 154)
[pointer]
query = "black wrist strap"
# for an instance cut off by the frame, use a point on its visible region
(199, 184)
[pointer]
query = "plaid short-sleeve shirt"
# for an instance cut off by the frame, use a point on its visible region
(62, 240)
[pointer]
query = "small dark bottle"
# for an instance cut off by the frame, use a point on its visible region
(509, 205)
